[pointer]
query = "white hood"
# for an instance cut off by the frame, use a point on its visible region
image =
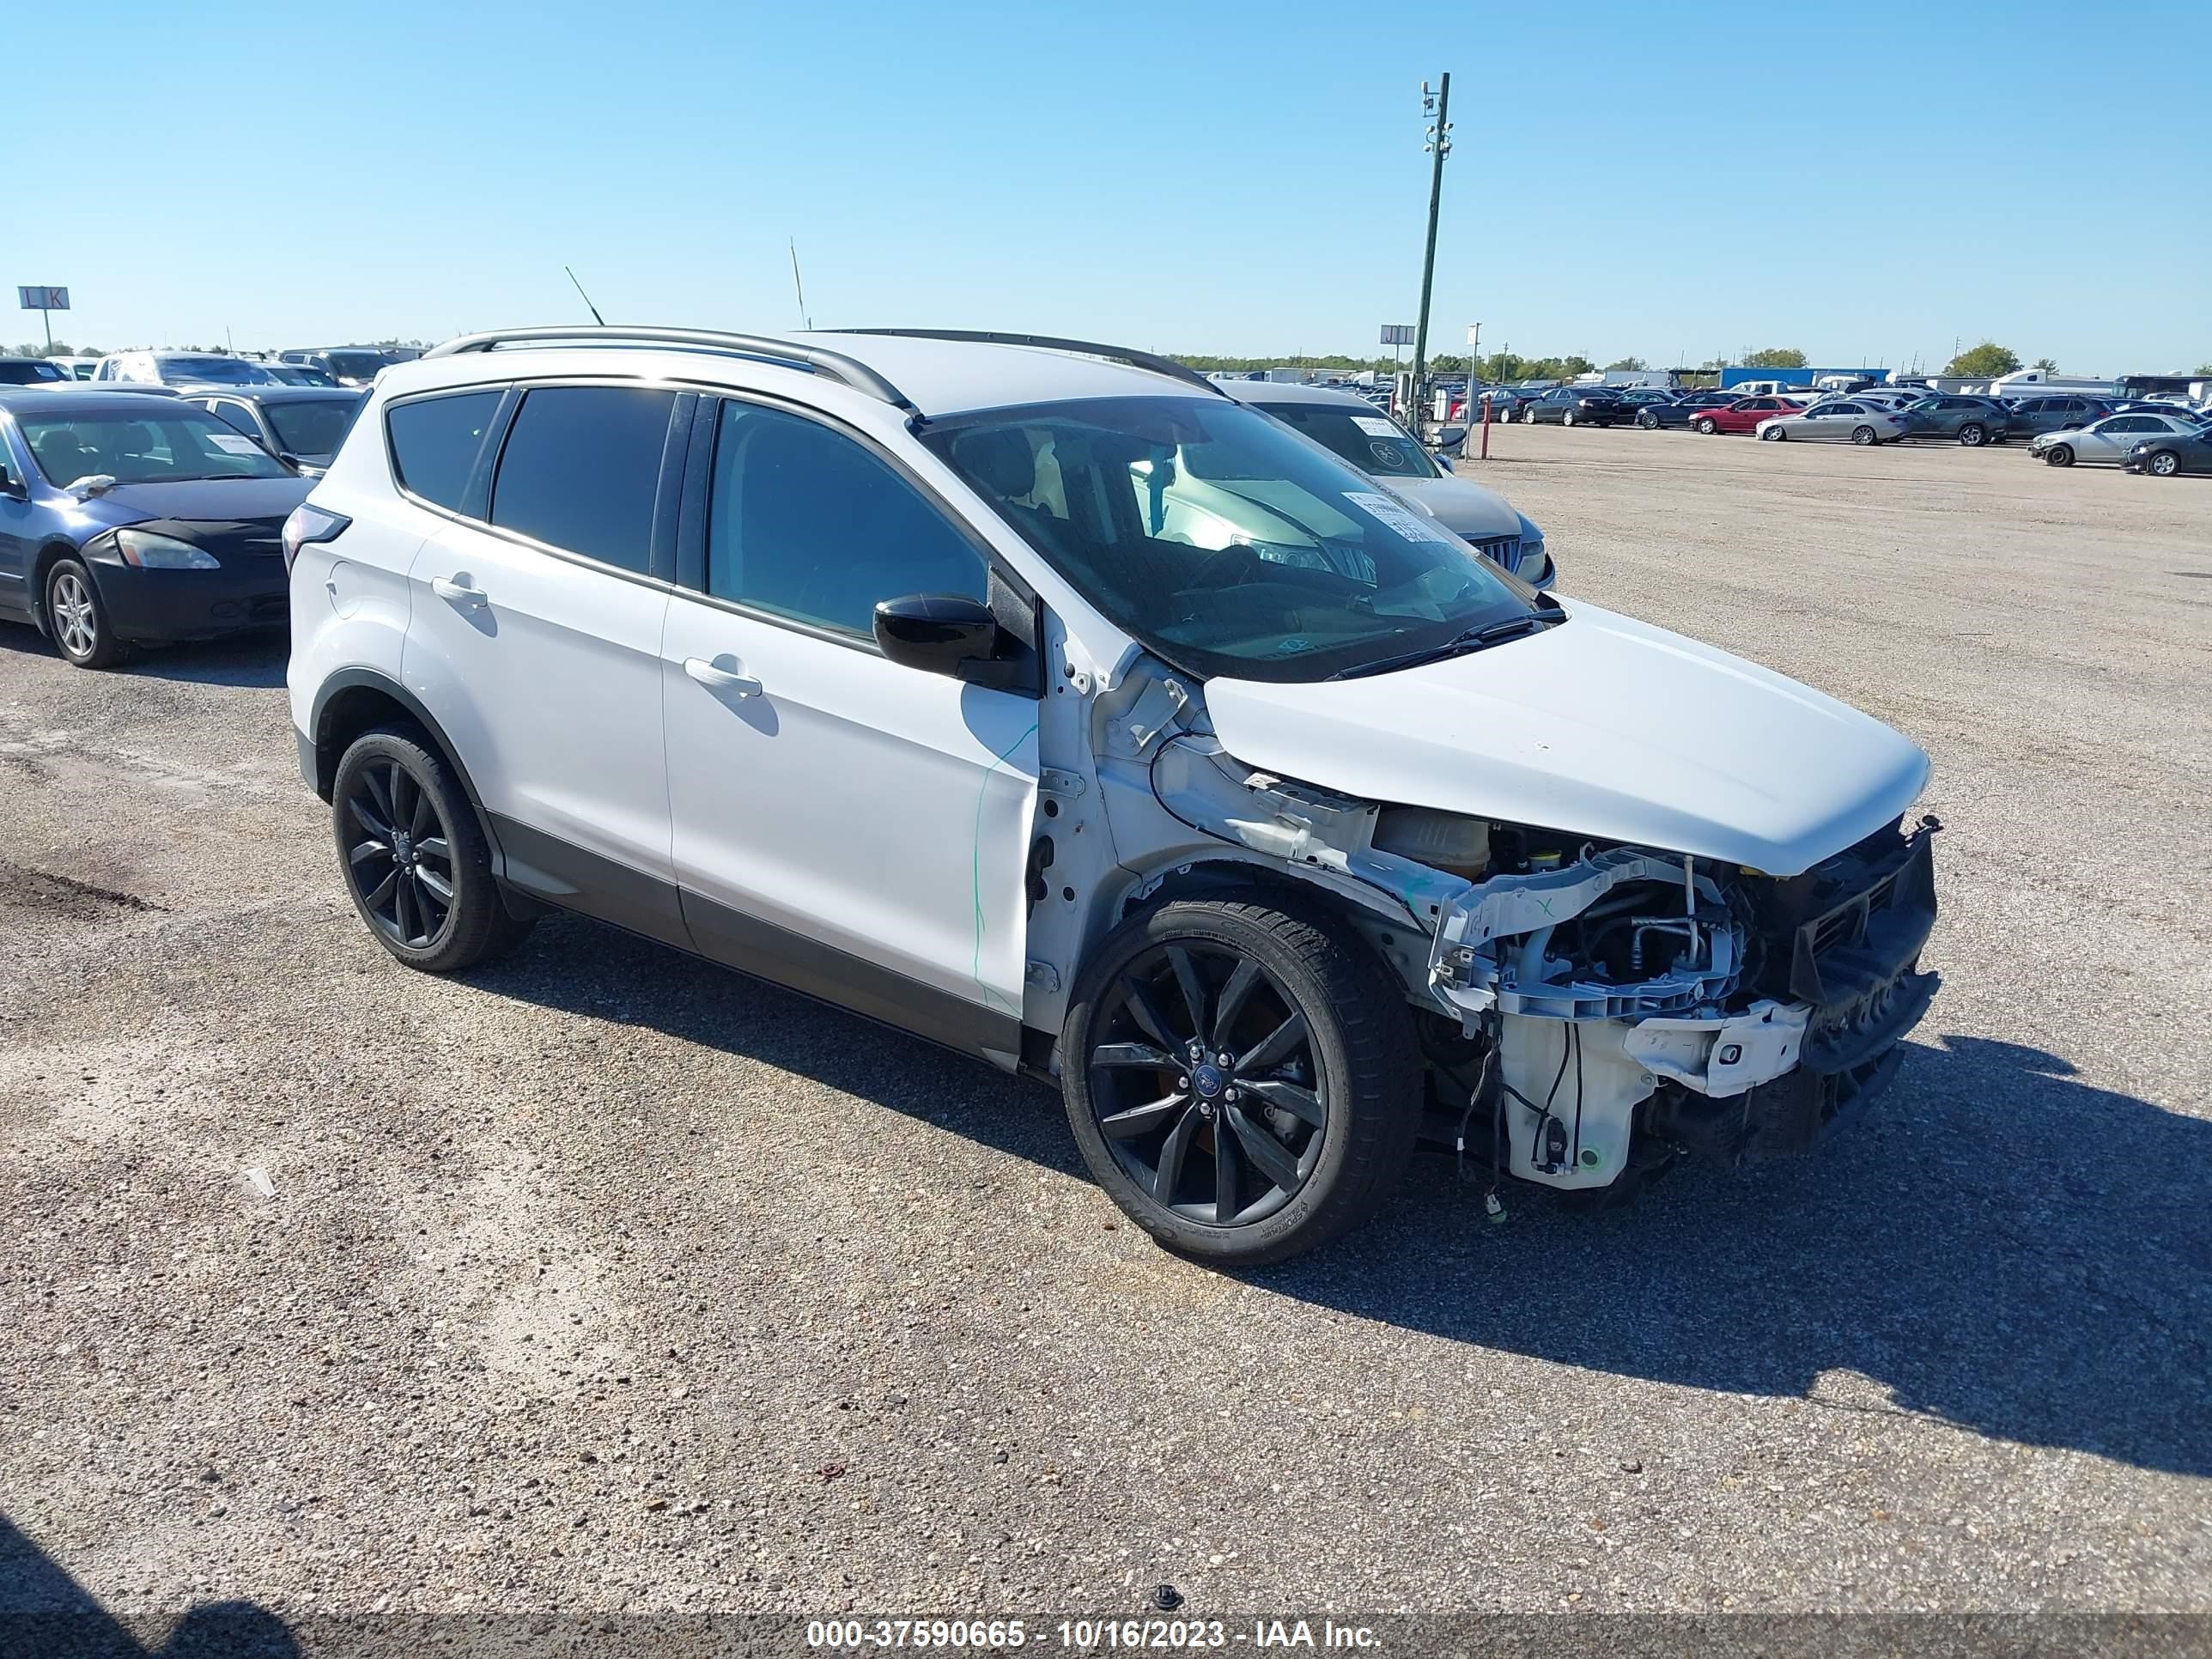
(1600, 727)
(1467, 510)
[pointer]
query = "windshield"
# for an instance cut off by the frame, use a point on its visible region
(1370, 442)
(310, 426)
(214, 371)
(172, 446)
(1221, 540)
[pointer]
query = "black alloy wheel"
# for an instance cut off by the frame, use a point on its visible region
(415, 858)
(1973, 434)
(1206, 1085)
(399, 854)
(1241, 1079)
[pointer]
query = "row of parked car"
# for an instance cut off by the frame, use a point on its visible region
(2061, 429)
(315, 366)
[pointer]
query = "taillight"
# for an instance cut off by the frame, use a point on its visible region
(310, 524)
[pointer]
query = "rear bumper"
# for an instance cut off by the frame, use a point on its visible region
(159, 606)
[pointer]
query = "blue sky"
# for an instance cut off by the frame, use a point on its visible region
(1868, 182)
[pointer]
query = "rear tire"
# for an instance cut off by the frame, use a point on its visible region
(1320, 1121)
(76, 620)
(413, 856)
(2059, 455)
(1973, 434)
(1865, 436)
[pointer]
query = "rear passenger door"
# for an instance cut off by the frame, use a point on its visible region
(535, 634)
(848, 825)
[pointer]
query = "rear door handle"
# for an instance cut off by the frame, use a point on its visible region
(721, 680)
(459, 593)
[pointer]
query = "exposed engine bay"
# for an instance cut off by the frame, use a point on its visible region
(1590, 1011)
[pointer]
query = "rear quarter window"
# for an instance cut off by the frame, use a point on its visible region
(435, 442)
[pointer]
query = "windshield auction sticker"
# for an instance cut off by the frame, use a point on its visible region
(1398, 516)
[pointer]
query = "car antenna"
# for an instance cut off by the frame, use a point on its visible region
(805, 321)
(588, 306)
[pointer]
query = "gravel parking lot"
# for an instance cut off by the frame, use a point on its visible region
(607, 1279)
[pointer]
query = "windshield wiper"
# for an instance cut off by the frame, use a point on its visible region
(1475, 639)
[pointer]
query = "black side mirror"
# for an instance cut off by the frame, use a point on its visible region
(10, 488)
(947, 634)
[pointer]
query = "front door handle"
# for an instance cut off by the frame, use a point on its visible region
(459, 593)
(721, 680)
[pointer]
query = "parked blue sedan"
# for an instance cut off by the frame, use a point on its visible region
(128, 520)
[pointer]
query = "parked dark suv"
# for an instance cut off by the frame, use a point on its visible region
(1972, 420)
(2031, 417)
(1578, 405)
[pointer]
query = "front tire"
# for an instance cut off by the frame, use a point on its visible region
(1647, 420)
(1708, 426)
(2163, 463)
(1774, 434)
(2059, 455)
(1528, 418)
(76, 620)
(414, 860)
(1298, 1135)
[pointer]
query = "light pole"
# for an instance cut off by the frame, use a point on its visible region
(1439, 109)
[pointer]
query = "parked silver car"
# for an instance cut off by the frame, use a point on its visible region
(1347, 427)
(1841, 420)
(2106, 442)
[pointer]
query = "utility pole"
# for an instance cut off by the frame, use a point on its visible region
(1438, 145)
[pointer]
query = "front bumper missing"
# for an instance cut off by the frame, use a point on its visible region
(1854, 970)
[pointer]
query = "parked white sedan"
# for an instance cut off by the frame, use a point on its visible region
(1840, 420)
(2106, 442)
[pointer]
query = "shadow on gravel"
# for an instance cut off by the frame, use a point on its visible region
(1995, 1245)
(250, 660)
(580, 968)
(45, 1612)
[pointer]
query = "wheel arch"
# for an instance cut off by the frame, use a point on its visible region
(357, 700)
(42, 563)
(1376, 927)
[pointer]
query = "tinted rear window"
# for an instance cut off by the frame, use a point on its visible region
(581, 470)
(435, 442)
(35, 371)
(312, 426)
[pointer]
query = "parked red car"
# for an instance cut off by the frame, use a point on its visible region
(1743, 415)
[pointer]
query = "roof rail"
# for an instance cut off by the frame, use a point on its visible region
(832, 365)
(1134, 358)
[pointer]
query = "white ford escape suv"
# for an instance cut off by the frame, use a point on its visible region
(1034, 696)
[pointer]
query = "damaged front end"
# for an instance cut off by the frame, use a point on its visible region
(1596, 1009)
(1641, 997)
